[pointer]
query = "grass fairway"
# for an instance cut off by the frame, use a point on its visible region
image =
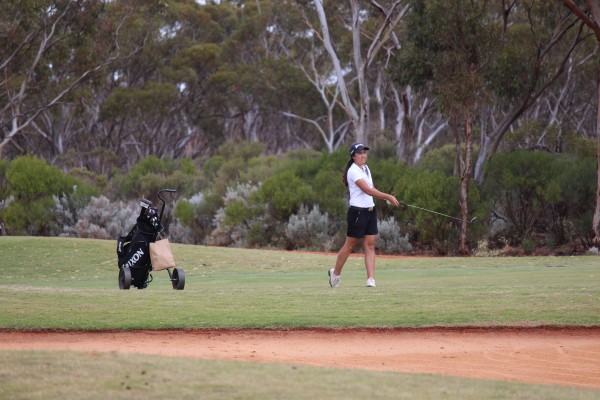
(72, 284)
(55, 283)
(69, 375)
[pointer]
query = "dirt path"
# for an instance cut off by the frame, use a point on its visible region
(535, 355)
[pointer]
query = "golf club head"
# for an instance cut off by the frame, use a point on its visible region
(472, 220)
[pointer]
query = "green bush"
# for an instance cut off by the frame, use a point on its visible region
(332, 196)
(184, 211)
(237, 213)
(285, 192)
(229, 174)
(30, 178)
(580, 145)
(515, 183)
(570, 193)
(33, 218)
(543, 193)
(211, 167)
(236, 163)
(3, 183)
(528, 245)
(152, 174)
(36, 188)
(266, 232)
(437, 192)
(150, 184)
(388, 177)
(260, 168)
(197, 213)
(241, 150)
(441, 159)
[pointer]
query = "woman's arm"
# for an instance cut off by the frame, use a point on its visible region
(371, 191)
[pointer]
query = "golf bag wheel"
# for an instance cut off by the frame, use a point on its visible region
(178, 279)
(124, 278)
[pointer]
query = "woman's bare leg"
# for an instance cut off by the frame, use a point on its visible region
(369, 247)
(344, 253)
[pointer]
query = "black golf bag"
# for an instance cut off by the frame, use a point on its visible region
(133, 250)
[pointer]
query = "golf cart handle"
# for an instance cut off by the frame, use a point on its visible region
(162, 209)
(165, 190)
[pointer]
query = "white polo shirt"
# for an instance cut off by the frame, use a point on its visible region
(358, 198)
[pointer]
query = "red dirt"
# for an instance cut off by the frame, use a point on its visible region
(562, 356)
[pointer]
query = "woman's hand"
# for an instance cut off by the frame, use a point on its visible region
(393, 200)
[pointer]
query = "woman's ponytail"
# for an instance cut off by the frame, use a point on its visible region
(345, 176)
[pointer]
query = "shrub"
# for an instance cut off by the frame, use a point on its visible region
(433, 191)
(331, 192)
(569, 194)
(101, 219)
(260, 168)
(185, 212)
(543, 193)
(441, 159)
(264, 232)
(230, 166)
(35, 218)
(150, 184)
(516, 181)
(195, 216)
(3, 184)
(387, 176)
(36, 187)
(30, 179)
(238, 204)
(239, 212)
(179, 233)
(228, 175)
(528, 245)
(390, 239)
(285, 192)
(211, 167)
(308, 229)
(242, 150)
(152, 174)
(483, 249)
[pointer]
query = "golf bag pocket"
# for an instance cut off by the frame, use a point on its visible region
(123, 243)
(161, 255)
(136, 255)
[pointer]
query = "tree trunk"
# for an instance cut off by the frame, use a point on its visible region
(594, 24)
(364, 100)
(596, 219)
(358, 110)
(465, 177)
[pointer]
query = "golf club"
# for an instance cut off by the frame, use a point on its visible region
(439, 213)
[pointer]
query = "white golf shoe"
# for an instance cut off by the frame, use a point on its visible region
(370, 282)
(334, 280)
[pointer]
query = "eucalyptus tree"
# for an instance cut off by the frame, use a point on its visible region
(265, 85)
(307, 56)
(154, 102)
(588, 11)
(488, 63)
(48, 49)
(536, 44)
(449, 45)
(206, 74)
(348, 63)
(362, 56)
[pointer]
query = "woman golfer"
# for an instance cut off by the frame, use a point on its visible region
(361, 215)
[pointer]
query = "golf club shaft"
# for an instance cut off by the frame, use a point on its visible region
(438, 213)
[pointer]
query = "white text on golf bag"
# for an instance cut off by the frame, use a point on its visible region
(136, 256)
